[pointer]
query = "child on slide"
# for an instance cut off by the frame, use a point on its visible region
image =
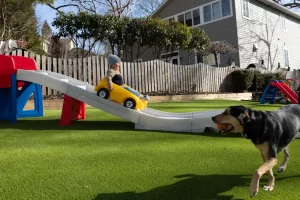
(113, 75)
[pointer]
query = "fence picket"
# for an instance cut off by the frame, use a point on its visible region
(70, 64)
(146, 77)
(54, 69)
(49, 68)
(94, 73)
(124, 72)
(38, 61)
(80, 70)
(90, 70)
(59, 65)
(85, 78)
(75, 68)
(98, 69)
(44, 68)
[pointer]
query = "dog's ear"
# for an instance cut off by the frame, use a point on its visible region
(244, 117)
(241, 113)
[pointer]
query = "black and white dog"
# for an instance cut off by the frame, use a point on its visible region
(270, 131)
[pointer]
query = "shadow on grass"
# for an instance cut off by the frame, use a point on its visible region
(189, 186)
(53, 124)
(192, 187)
(77, 125)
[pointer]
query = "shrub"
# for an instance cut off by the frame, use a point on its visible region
(261, 80)
(271, 76)
(258, 82)
(242, 80)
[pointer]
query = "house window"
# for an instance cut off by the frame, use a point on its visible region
(180, 19)
(246, 13)
(196, 17)
(226, 9)
(283, 25)
(216, 10)
(188, 19)
(207, 13)
(172, 19)
(210, 59)
(173, 58)
(286, 57)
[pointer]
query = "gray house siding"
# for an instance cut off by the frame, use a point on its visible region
(224, 29)
(263, 28)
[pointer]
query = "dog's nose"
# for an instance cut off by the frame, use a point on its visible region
(214, 119)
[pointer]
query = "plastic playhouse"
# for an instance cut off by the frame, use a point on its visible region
(15, 93)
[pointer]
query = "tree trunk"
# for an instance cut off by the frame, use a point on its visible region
(216, 59)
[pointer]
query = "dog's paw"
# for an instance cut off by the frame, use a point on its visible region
(281, 169)
(252, 194)
(268, 187)
(253, 191)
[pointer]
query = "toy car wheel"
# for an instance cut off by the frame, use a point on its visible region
(103, 92)
(130, 103)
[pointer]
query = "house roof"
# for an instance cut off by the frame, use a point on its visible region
(267, 2)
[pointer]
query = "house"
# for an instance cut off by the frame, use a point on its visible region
(10, 45)
(266, 33)
(59, 48)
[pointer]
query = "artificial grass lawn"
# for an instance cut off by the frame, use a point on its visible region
(104, 157)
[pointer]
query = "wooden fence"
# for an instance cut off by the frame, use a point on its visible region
(153, 77)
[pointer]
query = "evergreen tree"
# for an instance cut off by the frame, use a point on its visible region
(46, 30)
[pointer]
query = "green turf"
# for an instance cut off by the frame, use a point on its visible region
(105, 158)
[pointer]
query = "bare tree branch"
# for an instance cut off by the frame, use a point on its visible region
(63, 6)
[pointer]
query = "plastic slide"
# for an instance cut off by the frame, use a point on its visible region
(148, 119)
(286, 90)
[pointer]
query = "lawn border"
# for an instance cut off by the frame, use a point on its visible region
(52, 104)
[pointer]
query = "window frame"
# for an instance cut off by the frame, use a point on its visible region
(220, 10)
(191, 14)
(243, 11)
(283, 19)
(285, 49)
(229, 8)
(198, 9)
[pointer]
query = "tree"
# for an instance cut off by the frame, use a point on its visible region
(199, 42)
(132, 35)
(222, 47)
(117, 8)
(79, 28)
(289, 3)
(46, 30)
(145, 8)
(157, 36)
(178, 37)
(12, 25)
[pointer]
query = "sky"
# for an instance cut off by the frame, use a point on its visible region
(44, 12)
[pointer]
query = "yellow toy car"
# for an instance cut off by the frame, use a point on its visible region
(120, 95)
